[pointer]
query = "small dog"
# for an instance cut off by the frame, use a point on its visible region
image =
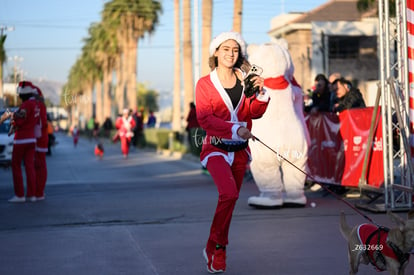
(386, 249)
(99, 150)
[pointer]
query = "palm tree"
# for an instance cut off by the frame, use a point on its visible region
(132, 19)
(91, 73)
(176, 110)
(106, 50)
(187, 57)
(3, 58)
(95, 43)
(82, 78)
(237, 15)
(207, 8)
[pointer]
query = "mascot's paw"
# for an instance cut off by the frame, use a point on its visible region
(294, 199)
(266, 200)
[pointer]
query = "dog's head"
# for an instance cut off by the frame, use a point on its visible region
(403, 235)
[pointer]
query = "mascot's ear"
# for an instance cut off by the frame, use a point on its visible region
(281, 42)
(251, 49)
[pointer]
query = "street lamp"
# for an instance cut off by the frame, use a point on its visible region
(17, 59)
(6, 28)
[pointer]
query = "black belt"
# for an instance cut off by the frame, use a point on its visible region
(231, 147)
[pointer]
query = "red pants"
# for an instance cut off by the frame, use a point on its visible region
(75, 141)
(41, 173)
(125, 145)
(228, 180)
(24, 152)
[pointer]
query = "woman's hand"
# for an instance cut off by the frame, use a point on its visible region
(258, 81)
(244, 133)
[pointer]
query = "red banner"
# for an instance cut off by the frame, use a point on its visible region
(338, 147)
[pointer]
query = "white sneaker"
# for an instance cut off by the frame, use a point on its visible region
(17, 199)
(40, 198)
(266, 200)
(31, 199)
(296, 198)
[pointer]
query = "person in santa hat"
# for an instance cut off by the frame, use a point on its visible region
(41, 148)
(225, 109)
(75, 135)
(24, 121)
(125, 125)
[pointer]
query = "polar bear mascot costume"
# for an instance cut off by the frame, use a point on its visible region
(282, 128)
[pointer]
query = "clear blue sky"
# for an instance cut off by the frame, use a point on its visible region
(48, 35)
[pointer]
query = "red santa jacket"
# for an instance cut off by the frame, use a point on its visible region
(25, 124)
(216, 115)
(42, 141)
(125, 126)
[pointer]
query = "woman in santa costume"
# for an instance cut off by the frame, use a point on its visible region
(125, 125)
(24, 121)
(226, 114)
(41, 148)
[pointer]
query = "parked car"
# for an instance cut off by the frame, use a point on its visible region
(6, 142)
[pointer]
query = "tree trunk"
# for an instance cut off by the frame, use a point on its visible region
(132, 74)
(119, 89)
(99, 101)
(88, 101)
(237, 15)
(207, 8)
(187, 57)
(107, 90)
(176, 111)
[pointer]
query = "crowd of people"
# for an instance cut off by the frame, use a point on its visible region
(129, 126)
(335, 94)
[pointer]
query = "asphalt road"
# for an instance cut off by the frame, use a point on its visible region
(150, 214)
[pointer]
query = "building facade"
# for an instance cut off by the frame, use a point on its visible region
(334, 37)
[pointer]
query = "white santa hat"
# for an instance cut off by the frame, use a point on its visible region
(25, 88)
(224, 36)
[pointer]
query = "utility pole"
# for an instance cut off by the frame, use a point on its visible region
(16, 59)
(196, 43)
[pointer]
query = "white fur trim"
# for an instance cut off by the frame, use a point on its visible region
(24, 141)
(263, 97)
(229, 158)
(41, 149)
(28, 89)
(224, 36)
(223, 94)
(234, 130)
(226, 99)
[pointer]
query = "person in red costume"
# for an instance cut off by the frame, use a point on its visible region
(225, 112)
(41, 148)
(24, 121)
(75, 135)
(125, 125)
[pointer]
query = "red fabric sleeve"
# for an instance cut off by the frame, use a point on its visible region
(212, 113)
